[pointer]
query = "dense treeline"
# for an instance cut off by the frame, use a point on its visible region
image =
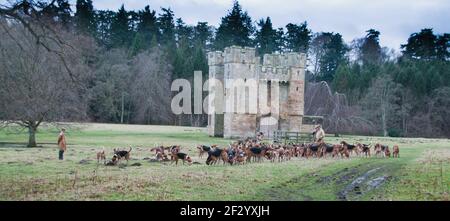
(184, 48)
(134, 55)
(404, 95)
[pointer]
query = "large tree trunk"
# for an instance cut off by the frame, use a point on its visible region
(32, 136)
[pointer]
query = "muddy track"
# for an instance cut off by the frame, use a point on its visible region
(368, 181)
(353, 182)
(287, 192)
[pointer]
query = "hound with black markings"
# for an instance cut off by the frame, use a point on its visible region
(202, 149)
(181, 156)
(350, 148)
(122, 154)
(364, 149)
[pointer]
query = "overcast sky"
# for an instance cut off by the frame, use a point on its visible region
(395, 19)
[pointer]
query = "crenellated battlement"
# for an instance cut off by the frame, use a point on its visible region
(285, 60)
(247, 55)
(215, 58)
(279, 73)
(237, 54)
(279, 70)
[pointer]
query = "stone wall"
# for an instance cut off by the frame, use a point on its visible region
(239, 125)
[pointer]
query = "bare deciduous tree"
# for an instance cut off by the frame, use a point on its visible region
(150, 90)
(338, 116)
(433, 118)
(381, 102)
(132, 90)
(44, 31)
(34, 84)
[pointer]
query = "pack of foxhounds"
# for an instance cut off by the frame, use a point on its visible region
(253, 150)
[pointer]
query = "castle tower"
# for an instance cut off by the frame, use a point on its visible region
(241, 64)
(296, 64)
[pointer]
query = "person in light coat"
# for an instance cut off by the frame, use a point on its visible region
(319, 134)
(62, 143)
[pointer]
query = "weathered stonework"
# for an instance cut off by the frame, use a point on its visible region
(286, 70)
(239, 125)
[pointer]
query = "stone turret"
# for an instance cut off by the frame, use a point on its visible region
(216, 71)
(239, 64)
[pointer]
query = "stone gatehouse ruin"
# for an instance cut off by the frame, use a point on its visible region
(287, 71)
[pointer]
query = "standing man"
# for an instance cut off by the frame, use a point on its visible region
(319, 134)
(62, 143)
(259, 136)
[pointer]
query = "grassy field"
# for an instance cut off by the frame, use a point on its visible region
(421, 173)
